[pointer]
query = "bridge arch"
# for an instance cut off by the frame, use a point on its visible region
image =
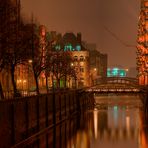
(115, 85)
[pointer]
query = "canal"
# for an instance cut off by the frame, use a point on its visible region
(116, 122)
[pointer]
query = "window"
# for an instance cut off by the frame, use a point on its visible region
(57, 47)
(68, 47)
(78, 47)
(75, 58)
(81, 58)
(81, 79)
(81, 69)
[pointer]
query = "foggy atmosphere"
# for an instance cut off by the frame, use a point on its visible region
(73, 73)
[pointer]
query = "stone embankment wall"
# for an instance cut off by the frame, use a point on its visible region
(23, 120)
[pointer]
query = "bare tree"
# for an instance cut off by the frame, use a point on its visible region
(61, 66)
(13, 39)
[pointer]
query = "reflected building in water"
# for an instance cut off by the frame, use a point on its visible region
(110, 126)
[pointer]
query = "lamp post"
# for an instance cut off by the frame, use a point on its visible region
(29, 64)
(94, 75)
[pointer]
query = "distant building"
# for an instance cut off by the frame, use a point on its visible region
(89, 63)
(71, 42)
(132, 72)
(98, 65)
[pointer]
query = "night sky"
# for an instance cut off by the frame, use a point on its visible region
(120, 18)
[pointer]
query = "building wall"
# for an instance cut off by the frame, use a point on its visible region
(73, 43)
(81, 65)
(98, 65)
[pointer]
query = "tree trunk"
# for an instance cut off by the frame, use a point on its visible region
(47, 84)
(75, 83)
(65, 81)
(16, 93)
(37, 84)
(1, 91)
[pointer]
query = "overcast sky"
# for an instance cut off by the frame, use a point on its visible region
(88, 17)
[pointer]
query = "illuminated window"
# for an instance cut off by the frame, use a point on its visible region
(78, 47)
(57, 47)
(81, 79)
(81, 58)
(81, 69)
(75, 58)
(68, 47)
(108, 73)
(122, 73)
(115, 71)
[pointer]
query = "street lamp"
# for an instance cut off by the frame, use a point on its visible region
(94, 76)
(29, 63)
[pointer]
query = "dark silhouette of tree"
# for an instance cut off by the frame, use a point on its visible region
(35, 53)
(61, 66)
(16, 53)
(12, 39)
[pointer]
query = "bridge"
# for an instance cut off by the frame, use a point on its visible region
(115, 85)
(119, 80)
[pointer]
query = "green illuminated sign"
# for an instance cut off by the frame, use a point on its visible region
(116, 72)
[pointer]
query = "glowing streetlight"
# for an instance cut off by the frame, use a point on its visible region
(29, 61)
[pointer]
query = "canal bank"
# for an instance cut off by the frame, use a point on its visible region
(23, 121)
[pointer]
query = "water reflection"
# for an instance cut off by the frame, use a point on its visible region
(112, 124)
(143, 138)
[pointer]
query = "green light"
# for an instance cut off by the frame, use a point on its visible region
(78, 47)
(57, 47)
(68, 47)
(115, 108)
(108, 73)
(115, 71)
(122, 73)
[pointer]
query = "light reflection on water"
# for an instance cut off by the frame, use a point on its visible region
(116, 122)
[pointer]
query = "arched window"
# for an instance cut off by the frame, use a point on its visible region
(75, 58)
(81, 69)
(81, 58)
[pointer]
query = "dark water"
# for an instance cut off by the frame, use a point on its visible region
(116, 122)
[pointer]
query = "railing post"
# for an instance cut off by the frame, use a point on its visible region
(60, 117)
(27, 118)
(46, 107)
(65, 106)
(12, 124)
(38, 119)
(54, 118)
